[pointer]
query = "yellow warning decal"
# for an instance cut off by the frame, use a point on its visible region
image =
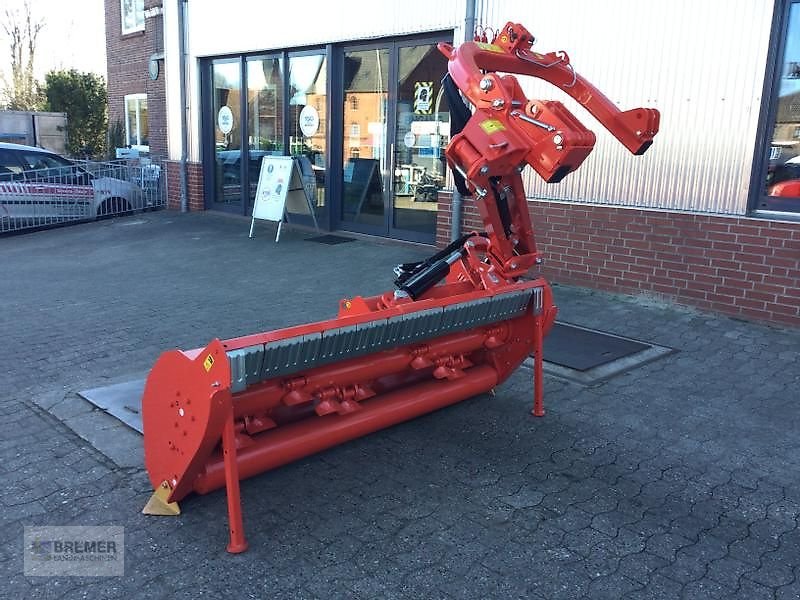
(491, 126)
(208, 363)
(489, 47)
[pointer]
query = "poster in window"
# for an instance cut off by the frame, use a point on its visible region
(423, 97)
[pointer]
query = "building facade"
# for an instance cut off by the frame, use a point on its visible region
(135, 65)
(353, 89)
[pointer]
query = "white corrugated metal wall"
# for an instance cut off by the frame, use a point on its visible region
(255, 26)
(700, 62)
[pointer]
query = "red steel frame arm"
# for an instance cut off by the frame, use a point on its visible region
(510, 53)
(508, 131)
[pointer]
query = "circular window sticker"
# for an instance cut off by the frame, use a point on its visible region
(225, 120)
(309, 120)
(409, 140)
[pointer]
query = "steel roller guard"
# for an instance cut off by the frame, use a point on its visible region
(456, 326)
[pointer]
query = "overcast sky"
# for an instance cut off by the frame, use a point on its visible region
(73, 35)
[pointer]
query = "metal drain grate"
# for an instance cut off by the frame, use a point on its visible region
(583, 349)
(589, 356)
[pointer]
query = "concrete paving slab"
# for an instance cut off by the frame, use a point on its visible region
(109, 436)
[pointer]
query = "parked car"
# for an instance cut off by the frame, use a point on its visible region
(229, 163)
(785, 179)
(38, 187)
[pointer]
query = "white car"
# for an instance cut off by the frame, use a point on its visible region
(38, 187)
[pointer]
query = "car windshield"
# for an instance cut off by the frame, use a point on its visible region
(10, 169)
(41, 160)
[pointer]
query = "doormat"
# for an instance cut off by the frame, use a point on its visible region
(331, 240)
(583, 349)
(588, 356)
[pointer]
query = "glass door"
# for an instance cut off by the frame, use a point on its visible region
(422, 130)
(227, 96)
(265, 116)
(395, 123)
(364, 140)
(308, 129)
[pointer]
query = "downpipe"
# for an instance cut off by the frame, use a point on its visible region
(184, 108)
(456, 202)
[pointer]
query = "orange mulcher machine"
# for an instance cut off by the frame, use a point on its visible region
(457, 324)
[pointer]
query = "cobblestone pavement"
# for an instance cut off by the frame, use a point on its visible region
(678, 479)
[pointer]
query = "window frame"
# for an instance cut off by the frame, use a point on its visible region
(129, 140)
(761, 204)
(138, 9)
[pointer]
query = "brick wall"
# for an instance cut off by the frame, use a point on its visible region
(739, 266)
(127, 59)
(194, 185)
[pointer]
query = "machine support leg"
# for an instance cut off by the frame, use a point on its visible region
(237, 542)
(538, 367)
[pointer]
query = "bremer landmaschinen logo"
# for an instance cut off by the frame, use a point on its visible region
(98, 550)
(82, 551)
(41, 550)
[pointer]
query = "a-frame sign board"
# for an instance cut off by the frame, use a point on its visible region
(280, 184)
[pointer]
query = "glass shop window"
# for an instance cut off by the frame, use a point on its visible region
(782, 185)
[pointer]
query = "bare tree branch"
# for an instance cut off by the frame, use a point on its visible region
(22, 33)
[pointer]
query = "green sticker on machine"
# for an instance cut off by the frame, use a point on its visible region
(491, 126)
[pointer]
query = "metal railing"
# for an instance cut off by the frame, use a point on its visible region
(83, 191)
